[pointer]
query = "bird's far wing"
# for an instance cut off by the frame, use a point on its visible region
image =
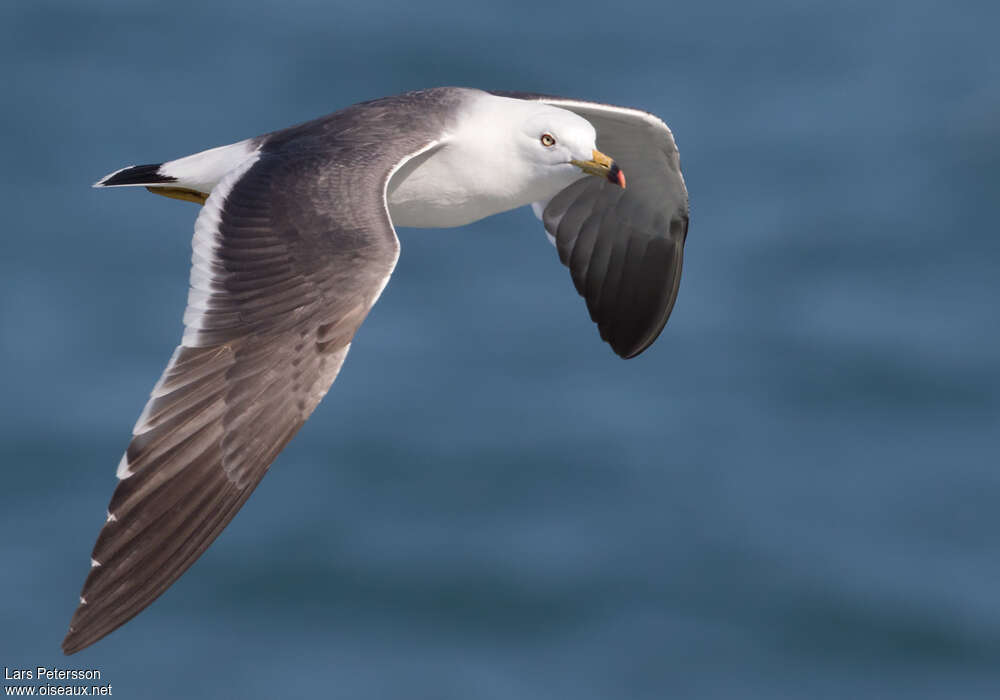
(283, 273)
(624, 248)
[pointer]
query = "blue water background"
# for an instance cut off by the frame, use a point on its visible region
(794, 494)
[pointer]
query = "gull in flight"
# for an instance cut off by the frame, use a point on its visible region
(292, 246)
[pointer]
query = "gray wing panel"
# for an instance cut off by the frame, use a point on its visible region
(284, 273)
(624, 248)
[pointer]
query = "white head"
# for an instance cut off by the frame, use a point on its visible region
(561, 147)
(504, 153)
(537, 149)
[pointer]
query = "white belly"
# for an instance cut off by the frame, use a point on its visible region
(443, 190)
(441, 212)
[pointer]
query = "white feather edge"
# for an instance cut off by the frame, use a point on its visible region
(203, 245)
(385, 200)
(539, 207)
(647, 117)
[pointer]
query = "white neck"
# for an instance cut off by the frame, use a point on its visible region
(476, 172)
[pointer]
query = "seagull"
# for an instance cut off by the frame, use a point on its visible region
(295, 241)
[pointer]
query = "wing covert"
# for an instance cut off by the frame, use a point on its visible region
(281, 280)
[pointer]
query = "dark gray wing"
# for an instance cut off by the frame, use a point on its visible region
(285, 268)
(624, 248)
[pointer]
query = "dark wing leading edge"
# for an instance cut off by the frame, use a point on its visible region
(283, 274)
(624, 248)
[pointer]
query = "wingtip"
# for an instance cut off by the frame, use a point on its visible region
(628, 351)
(68, 645)
(77, 639)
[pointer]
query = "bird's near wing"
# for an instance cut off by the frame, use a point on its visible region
(623, 247)
(289, 256)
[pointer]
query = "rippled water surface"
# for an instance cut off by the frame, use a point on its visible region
(794, 494)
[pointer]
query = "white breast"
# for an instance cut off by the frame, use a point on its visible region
(451, 186)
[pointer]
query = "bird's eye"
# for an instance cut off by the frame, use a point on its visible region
(548, 140)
